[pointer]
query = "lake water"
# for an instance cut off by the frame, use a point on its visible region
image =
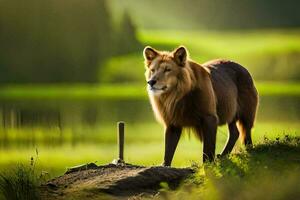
(71, 132)
(74, 113)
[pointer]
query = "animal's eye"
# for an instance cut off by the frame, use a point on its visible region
(167, 70)
(152, 70)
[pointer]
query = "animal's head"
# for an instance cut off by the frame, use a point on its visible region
(164, 70)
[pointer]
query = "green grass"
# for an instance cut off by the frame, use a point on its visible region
(20, 183)
(144, 145)
(278, 88)
(226, 43)
(117, 91)
(120, 69)
(268, 171)
(267, 54)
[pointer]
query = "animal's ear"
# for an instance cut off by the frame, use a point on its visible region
(149, 53)
(180, 55)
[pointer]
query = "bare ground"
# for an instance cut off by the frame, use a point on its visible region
(112, 181)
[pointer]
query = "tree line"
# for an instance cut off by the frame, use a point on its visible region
(59, 41)
(215, 14)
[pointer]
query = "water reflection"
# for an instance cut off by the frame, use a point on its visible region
(67, 113)
(52, 123)
(24, 113)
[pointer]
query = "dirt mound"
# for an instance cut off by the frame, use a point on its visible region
(98, 182)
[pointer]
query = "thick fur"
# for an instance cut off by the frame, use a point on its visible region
(237, 97)
(189, 95)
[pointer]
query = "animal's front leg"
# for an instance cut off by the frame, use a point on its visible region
(209, 128)
(172, 136)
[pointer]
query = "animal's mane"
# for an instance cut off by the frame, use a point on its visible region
(165, 106)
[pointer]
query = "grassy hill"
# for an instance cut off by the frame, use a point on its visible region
(268, 171)
(267, 54)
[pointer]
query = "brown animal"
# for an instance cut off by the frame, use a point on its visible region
(185, 94)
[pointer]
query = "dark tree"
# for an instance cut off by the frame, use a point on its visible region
(126, 40)
(56, 41)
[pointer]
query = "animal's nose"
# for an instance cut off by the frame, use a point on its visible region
(151, 82)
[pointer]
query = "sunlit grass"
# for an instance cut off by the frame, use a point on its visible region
(125, 68)
(271, 163)
(226, 43)
(267, 54)
(278, 88)
(268, 171)
(144, 146)
(117, 91)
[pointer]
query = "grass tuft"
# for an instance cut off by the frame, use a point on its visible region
(21, 183)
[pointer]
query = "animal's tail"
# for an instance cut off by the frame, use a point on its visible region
(245, 132)
(247, 117)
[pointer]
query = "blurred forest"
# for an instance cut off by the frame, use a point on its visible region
(213, 14)
(46, 41)
(59, 41)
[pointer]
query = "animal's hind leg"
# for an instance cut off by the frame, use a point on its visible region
(246, 139)
(209, 128)
(232, 138)
(248, 107)
(245, 130)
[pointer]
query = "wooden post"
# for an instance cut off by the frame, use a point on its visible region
(121, 126)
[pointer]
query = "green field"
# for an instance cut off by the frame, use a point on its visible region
(269, 164)
(144, 145)
(118, 91)
(271, 55)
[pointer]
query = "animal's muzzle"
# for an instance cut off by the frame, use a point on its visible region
(152, 82)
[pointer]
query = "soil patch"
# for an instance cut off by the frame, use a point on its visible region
(97, 182)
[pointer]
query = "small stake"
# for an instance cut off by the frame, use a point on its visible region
(121, 128)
